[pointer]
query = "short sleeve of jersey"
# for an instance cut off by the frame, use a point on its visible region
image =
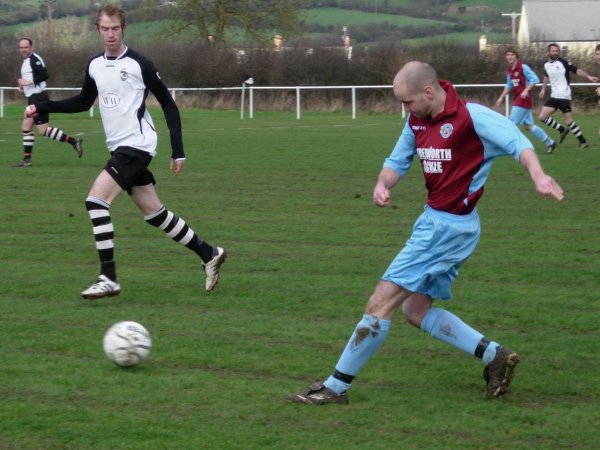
(499, 135)
(402, 155)
(530, 76)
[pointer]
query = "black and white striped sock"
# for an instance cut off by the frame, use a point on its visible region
(176, 228)
(104, 234)
(576, 131)
(554, 124)
(58, 135)
(28, 141)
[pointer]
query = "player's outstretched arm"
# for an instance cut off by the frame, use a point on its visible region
(544, 184)
(584, 74)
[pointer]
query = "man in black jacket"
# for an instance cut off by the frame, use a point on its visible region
(33, 85)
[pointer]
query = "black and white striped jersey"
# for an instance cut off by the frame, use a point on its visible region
(557, 72)
(121, 85)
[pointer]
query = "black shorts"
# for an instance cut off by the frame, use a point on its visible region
(129, 167)
(561, 104)
(38, 98)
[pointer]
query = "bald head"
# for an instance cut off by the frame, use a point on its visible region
(415, 75)
(418, 88)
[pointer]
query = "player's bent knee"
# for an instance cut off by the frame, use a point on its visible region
(415, 308)
(386, 298)
(414, 317)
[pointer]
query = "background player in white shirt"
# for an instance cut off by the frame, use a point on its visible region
(33, 85)
(597, 56)
(120, 78)
(556, 71)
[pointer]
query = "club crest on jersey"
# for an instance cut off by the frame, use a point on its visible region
(124, 74)
(446, 130)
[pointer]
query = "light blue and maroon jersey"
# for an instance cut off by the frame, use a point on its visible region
(517, 79)
(456, 149)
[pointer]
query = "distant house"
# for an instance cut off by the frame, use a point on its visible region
(572, 24)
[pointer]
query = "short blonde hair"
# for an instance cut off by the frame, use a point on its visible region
(111, 11)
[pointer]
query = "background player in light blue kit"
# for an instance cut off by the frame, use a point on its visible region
(457, 143)
(521, 80)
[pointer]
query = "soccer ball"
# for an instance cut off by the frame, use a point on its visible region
(127, 343)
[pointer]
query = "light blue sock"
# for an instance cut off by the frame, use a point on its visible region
(490, 352)
(448, 328)
(541, 135)
(366, 339)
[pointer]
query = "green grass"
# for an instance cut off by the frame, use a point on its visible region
(291, 202)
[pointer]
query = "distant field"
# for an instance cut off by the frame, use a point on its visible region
(498, 4)
(504, 5)
(334, 16)
(291, 202)
(470, 38)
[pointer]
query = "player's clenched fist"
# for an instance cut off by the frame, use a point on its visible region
(30, 111)
(381, 195)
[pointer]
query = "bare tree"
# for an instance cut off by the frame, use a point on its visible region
(215, 20)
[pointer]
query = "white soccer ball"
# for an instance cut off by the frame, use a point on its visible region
(127, 343)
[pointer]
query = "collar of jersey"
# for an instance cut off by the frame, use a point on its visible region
(451, 104)
(111, 58)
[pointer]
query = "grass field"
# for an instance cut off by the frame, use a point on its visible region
(290, 200)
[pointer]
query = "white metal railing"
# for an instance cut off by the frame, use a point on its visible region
(297, 89)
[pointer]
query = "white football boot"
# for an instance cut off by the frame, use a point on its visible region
(211, 268)
(103, 287)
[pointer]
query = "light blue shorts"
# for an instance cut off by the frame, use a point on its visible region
(521, 116)
(440, 243)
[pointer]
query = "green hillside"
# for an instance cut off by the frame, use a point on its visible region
(369, 21)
